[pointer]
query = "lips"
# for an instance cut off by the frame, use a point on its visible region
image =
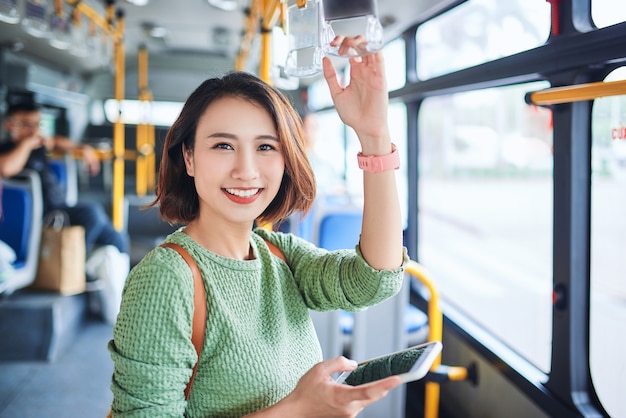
(242, 196)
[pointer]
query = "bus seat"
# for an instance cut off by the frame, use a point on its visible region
(145, 226)
(20, 227)
(415, 324)
(67, 173)
(340, 229)
(298, 225)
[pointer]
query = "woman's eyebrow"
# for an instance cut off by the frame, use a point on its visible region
(233, 136)
(222, 135)
(267, 138)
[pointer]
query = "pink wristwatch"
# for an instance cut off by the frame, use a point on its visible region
(378, 163)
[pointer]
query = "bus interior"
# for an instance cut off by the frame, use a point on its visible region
(511, 119)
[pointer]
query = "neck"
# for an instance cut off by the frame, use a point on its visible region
(232, 241)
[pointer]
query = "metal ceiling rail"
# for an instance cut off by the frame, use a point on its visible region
(105, 23)
(576, 93)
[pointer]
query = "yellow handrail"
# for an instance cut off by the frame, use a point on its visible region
(435, 333)
(117, 213)
(145, 130)
(113, 26)
(576, 93)
(106, 24)
(251, 27)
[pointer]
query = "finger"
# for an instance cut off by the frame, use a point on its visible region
(373, 391)
(331, 77)
(386, 384)
(353, 43)
(375, 59)
(336, 365)
(337, 40)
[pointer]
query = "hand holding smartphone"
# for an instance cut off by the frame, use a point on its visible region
(410, 364)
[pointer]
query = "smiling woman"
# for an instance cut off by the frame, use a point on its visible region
(235, 155)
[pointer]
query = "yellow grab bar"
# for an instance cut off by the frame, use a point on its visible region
(439, 372)
(435, 333)
(576, 93)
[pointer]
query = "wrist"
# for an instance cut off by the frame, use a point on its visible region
(377, 163)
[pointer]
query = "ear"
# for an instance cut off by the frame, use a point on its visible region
(188, 157)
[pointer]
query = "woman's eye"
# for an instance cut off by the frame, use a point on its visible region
(223, 146)
(267, 147)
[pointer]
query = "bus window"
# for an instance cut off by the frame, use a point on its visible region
(334, 154)
(607, 12)
(608, 241)
(319, 95)
(395, 64)
(160, 113)
(327, 154)
(485, 212)
(478, 31)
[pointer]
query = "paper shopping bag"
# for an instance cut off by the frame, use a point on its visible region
(62, 260)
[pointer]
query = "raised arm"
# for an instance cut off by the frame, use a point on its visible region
(86, 152)
(14, 161)
(362, 105)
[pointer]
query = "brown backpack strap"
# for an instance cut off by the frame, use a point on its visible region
(199, 308)
(276, 251)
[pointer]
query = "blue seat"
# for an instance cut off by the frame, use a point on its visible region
(340, 230)
(414, 320)
(67, 173)
(60, 171)
(21, 225)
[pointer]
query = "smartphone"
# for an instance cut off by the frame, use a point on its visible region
(410, 364)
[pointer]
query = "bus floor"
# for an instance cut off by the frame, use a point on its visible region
(77, 383)
(74, 385)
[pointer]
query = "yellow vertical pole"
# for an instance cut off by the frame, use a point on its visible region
(118, 128)
(435, 322)
(141, 141)
(266, 51)
(141, 181)
(270, 13)
(269, 9)
(151, 158)
(435, 333)
(251, 25)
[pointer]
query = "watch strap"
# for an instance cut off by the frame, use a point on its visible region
(378, 163)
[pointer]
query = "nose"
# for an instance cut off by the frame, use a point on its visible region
(246, 166)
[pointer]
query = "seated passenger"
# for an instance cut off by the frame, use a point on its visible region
(26, 148)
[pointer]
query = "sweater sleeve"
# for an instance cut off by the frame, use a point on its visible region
(151, 348)
(339, 279)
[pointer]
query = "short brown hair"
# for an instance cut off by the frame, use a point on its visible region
(176, 194)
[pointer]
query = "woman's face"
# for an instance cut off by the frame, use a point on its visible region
(237, 162)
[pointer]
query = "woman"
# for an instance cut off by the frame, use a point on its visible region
(237, 155)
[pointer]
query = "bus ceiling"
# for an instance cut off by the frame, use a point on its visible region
(188, 35)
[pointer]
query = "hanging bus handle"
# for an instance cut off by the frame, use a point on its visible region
(576, 93)
(438, 373)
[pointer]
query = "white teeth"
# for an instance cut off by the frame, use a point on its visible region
(243, 193)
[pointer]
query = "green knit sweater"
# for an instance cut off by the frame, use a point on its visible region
(259, 336)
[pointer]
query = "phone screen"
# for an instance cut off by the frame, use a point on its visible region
(415, 360)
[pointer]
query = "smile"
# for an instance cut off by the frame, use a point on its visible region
(242, 193)
(242, 196)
